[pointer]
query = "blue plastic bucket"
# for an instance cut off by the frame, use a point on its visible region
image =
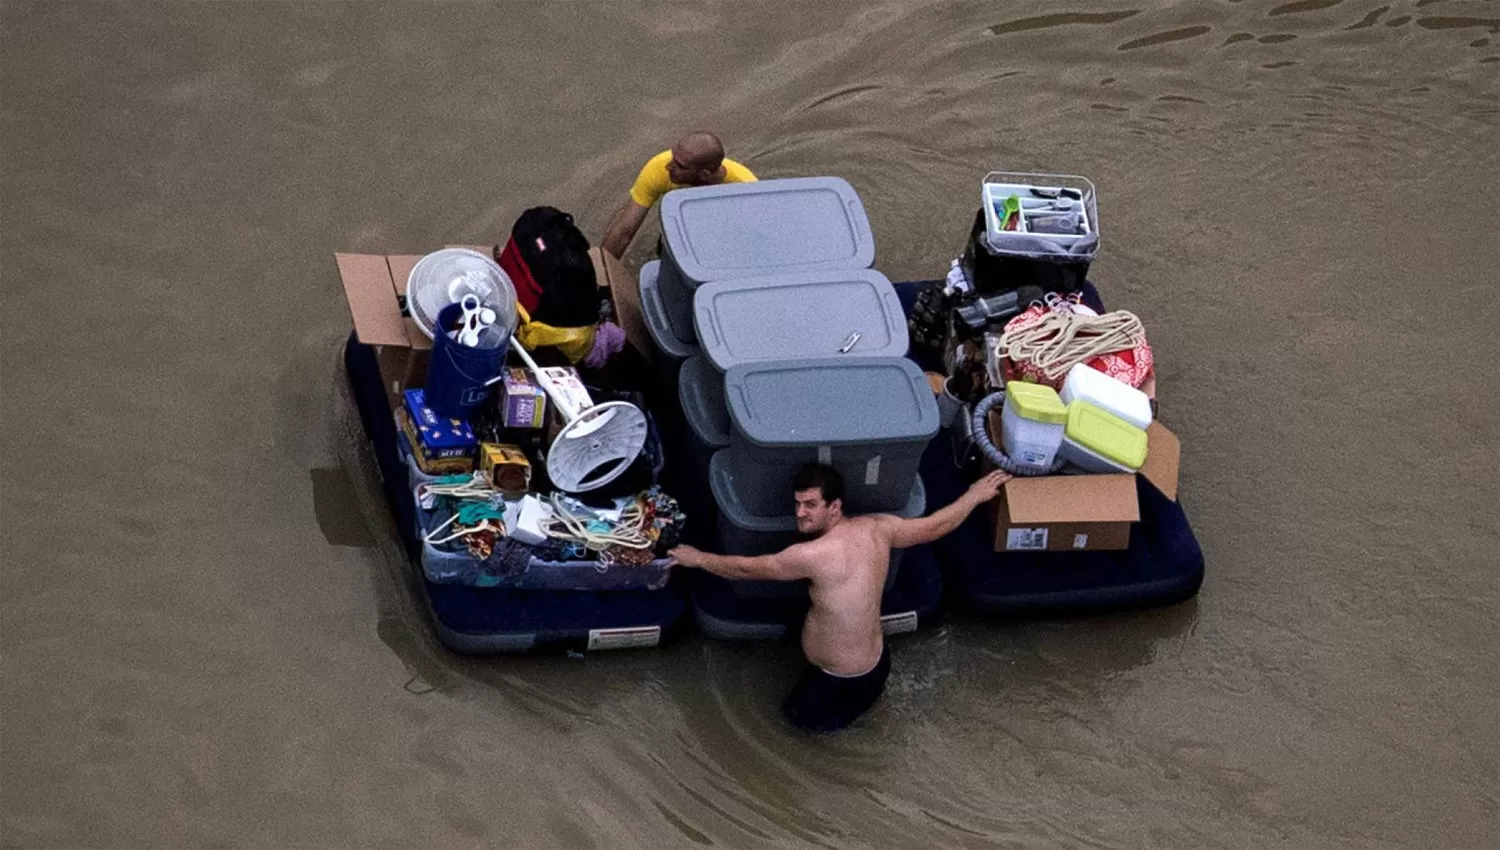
(458, 375)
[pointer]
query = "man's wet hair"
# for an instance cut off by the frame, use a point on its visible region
(822, 476)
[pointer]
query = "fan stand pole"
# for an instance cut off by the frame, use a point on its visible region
(569, 412)
(587, 427)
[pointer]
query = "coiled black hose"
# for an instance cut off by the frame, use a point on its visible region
(981, 436)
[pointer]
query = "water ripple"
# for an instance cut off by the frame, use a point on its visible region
(1061, 19)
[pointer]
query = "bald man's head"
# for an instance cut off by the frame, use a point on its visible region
(697, 160)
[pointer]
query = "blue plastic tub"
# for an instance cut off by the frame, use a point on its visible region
(490, 620)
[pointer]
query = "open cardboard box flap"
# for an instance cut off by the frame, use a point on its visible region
(1163, 459)
(375, 288)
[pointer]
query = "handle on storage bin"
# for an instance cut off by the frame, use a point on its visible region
(744, 400)
(651, 303)
(695, 394)
(861, 222)
(895, 317)
(707, 323)
(674, 223)
(923, 389)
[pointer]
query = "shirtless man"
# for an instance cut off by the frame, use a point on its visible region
(846, 561)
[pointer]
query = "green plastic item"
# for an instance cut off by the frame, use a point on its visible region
(1012, 209)
(1036, 402)
(1106, 434)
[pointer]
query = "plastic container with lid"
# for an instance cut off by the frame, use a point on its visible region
(671, 351)
(870, 418)
(736, 230)
(841, 313)
(1099, 441)
(1085, 383)
(700, 389)
(1032, 423)
(743, 532)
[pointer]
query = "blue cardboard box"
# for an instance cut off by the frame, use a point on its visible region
(440, 437)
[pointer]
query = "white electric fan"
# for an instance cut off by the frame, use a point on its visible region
(598, 442)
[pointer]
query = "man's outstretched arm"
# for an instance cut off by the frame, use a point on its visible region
(786, 565)
(906, 533)
(623, 226)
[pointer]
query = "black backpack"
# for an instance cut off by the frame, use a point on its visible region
(547, 258)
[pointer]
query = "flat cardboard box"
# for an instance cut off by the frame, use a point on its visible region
(1060, 513)
(625, 292)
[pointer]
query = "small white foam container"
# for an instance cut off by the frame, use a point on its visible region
(1027, 442)
(1085, 383)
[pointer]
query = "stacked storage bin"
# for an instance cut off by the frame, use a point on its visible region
(771, 281)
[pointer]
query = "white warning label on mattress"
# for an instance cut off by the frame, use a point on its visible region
(627, 638)
(896, 624)
(872, 471)
(1080, 541)
(1025, 538)
(825, 455)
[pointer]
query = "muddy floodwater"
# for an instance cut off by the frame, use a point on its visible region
(208, 639)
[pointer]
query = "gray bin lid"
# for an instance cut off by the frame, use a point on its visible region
(655, 314)
(700, 388)
(781, 403)
(721, 482)
(800, 315)
(742, 229)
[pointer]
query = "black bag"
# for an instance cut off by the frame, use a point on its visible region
(547, 258)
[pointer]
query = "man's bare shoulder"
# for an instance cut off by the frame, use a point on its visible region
(865, 525)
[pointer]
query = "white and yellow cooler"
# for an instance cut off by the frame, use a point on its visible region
(1096, 440)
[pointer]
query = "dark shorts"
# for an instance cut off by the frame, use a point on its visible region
(823, 702)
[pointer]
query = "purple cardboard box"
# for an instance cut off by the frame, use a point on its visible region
(523, 402)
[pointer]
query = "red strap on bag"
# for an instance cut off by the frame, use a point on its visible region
(528, 291)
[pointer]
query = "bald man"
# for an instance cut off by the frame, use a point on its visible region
(696, 160)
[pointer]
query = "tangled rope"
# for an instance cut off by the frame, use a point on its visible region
(597, 534)
(1061, 339)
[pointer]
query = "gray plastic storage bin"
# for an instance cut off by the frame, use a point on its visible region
(701, 391)
(841, 313)
(870, 418)
(744, 533)
(670, 350)
(732, 230)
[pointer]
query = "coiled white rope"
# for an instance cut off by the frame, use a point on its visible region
(1062, 339)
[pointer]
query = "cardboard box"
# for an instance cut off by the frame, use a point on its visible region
(439, 437)
(523, 402)
(625, 292)
(1060, 513)
(505, 466)
(375, 288)
(425, 462)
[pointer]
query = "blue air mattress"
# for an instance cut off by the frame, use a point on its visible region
(1163, 564)
(913, 601)
(483, 620)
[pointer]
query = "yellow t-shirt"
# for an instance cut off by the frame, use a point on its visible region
(654, 181)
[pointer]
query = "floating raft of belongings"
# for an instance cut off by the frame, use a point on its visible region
(802, 355)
